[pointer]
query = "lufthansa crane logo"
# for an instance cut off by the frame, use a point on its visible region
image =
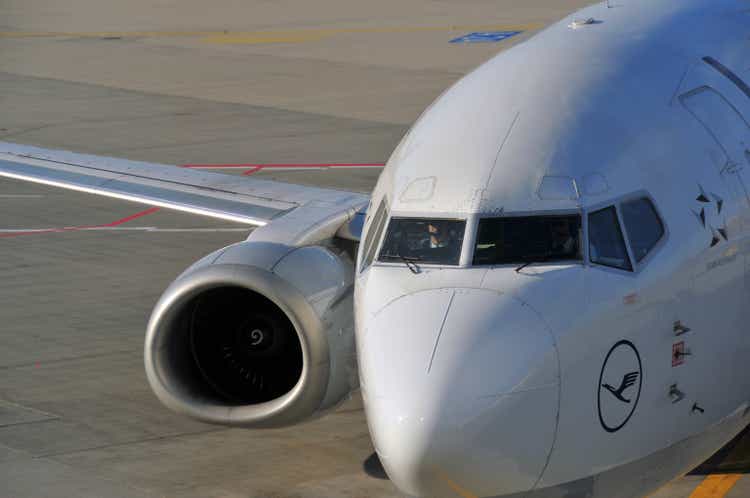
(619, 386)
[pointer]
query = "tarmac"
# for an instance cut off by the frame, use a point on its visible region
(285, 85)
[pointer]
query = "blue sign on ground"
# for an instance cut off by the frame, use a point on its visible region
(486, 37)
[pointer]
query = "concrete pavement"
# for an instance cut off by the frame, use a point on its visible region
(191, 82)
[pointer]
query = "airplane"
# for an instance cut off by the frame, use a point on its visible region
(544, 296)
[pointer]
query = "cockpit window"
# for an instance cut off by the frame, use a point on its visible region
(424, 241)
(606, 244)
(643, 226)
(528, 239)
(372, 238)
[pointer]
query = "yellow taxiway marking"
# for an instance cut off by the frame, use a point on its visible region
(304, 35)
(460, 491)
(716, 486)
(260, 37)
(256, 39)
(105, 34)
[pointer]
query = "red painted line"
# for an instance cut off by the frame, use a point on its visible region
(82, 227)
(284, 165)
(130, 218)
(218, 166)
(324, 165)
(251, 171)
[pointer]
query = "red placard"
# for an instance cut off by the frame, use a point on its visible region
(678, 354)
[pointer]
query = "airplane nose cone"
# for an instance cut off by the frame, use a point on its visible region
(461, 390)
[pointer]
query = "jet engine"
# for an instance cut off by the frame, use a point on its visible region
(257, 334)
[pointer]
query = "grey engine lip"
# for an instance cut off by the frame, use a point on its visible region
(295, 406)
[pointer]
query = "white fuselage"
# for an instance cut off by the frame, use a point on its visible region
(481, 380)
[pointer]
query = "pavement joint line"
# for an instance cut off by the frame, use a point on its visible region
(29, 422)
(716, 486)
(39, 364)
(128, 443)
(112, 481)
(112, 224)
(44, 421)
(48, 415)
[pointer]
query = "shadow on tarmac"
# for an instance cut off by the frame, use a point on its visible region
(374, 468)
(734, 458)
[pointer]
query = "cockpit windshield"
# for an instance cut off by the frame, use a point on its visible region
(528, 239)
(423, 241)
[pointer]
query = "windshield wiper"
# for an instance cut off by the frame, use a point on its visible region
(410, 262)
(532, 260)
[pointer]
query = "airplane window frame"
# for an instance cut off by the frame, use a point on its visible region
(614, 206)
(640, 262)
(463, 223)
(374, 235)
(637, 266)
(687, 104)
(729, 74)
(579, 259)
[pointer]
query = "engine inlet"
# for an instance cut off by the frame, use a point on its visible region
(244, 345)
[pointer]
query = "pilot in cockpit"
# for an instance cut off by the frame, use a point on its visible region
(427, 241)
(563, 240)
(436, 238)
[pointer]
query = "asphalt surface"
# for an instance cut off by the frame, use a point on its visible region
(190, 82)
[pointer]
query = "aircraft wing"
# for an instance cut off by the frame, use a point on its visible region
(236, 198)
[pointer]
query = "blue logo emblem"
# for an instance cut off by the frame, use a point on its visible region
(486, 37)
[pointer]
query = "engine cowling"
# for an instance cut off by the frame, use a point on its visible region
(257, 334)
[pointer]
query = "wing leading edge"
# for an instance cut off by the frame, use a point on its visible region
(235, 198)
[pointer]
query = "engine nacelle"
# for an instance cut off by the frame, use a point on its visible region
(257, 334)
